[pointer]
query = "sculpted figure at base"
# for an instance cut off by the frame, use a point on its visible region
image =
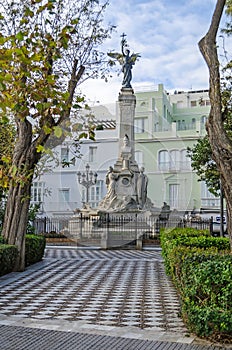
(142, 188)
(110, 196)
(126, 152)
(114, 201)
(165, 212)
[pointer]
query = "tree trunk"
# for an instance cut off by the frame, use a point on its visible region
(18, 200)
(15, 220)
(25, 158)
(220, 143)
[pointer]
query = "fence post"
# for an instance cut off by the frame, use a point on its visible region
(81, 223)
(45, 224)
(211, 226)
(139, 238)
(157, 227)
(105, 233)
(107, 229)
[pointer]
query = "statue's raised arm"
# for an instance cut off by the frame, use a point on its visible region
(126, 60)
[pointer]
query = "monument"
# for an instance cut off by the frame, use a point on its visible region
(126, 183)
(125, 213)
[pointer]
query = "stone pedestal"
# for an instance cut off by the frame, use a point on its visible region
(126, 183)
(127, 103)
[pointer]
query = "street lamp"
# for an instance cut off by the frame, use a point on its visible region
(87, 179)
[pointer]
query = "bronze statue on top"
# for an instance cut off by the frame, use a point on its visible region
(126, 60)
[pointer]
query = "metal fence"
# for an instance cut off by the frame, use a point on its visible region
(111, 230)
(51, 224)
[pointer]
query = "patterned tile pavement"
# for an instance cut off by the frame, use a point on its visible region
(117, 288)
(19, 338)
(86, 299)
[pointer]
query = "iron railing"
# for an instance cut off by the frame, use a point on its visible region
(96, 226)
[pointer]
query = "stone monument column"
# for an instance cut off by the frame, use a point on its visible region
(122, 188)
(127, 103)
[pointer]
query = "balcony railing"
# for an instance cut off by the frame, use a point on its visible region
(174, 166)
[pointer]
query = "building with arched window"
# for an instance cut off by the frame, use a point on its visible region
(165, 125)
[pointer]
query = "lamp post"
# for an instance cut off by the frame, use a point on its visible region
(87, 179)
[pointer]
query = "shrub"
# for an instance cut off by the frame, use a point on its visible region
(171, 238)
(207, 295)
(54, 234)
(187, 232)
(32, 213)
(2, 240)
(8, 255)
(201, 267)
(188, 237)
(204, 242)
(181, 254)
(34, 248)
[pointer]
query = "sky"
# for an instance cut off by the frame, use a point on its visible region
(166, 34)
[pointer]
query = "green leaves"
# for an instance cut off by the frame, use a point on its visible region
(57, 131)
(201, 268)
(19, 36)
(203, 164)
(7, 137)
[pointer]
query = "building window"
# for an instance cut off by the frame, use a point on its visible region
(181, 125)
(37, 192)
(207, 198)
(139, 125)
(204, 103)
(139, 158)
(64, 194)
(165, 112)
(193, 103)
(203, 119)
(174, 160)
(95, 194)
(185, 160)
(164, 160)
(193, 123)
(64, 154)
(180, 104)
(174, 195)
(92, 154)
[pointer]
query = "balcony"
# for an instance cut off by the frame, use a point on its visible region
(180, 130)
(173, 167)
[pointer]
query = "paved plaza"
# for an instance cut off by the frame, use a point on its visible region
(97, 299)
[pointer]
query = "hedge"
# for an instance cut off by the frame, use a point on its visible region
(8, 255)
(179, 254)
(201, 268)
(34, 251)
(207, 295)
(53, 234)
(175, 237)
(2, 240)
(34, 248)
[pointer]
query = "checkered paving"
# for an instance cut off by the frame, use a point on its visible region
(19, 338)
(72, 253)
(116, 288)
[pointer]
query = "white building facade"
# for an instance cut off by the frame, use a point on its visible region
(165, 125)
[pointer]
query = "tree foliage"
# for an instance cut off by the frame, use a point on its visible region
(47, 49)
(7, 137)
(203, 164)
